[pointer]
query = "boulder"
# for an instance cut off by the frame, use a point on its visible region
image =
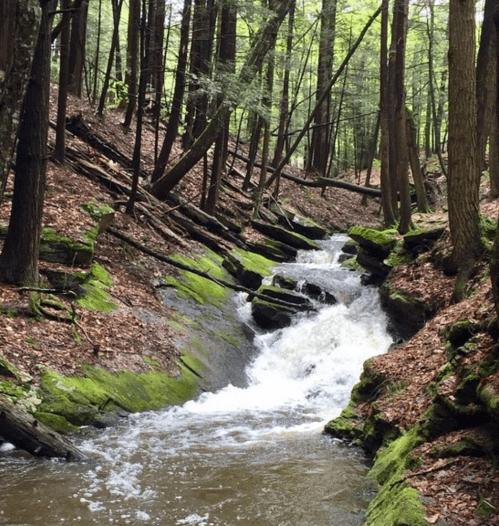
(244, 275)
(271, 316)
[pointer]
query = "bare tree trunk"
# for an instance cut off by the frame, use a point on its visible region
(114, 43)
(77, 49)
(464, 177)
(19, 258)
(19, 22)
(178, 95)
(60, 138)
(132, 59)
(417, 173)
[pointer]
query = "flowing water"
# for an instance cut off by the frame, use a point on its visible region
(252, 456)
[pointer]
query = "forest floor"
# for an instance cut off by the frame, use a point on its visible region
(137, 328)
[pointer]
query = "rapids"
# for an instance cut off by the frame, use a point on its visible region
(249, 456)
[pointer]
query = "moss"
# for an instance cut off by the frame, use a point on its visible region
(398, 256)
(96, 284)
(383, 238)
(62, 249)
(56, 422)
(352, 264)
(80, 400)
(396, 503)
(96, 210)
(254, 262)
(228, 339)
(485, 509)
(346, 426)
(202, 290)
(11, 371)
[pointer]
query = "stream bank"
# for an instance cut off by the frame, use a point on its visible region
(427, 410)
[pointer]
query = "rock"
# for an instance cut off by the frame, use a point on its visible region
(350, 247)
(247, 277)
(269, 315)
(422, 240)
(375, 243)
(318, 294)
(285, 236)
(273, 250)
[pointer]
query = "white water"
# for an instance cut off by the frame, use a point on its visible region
(252, 456)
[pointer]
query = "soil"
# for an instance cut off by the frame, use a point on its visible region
(137, 328)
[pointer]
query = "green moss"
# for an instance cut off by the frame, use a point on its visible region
(80, 400)
(229, 339)
(384, 238)
(96, 284)
(56, 422)
(9, 370)
(346, 426)
(352, 264)
(62, 249)
(176, 325)
(96, 210)
(396, 503)
(254, 262)
(202, 290)
(485, 509)
(398, 256)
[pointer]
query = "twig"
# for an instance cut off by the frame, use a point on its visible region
(426, 472)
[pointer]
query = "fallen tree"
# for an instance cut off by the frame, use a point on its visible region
(25, 432)
(320, 182)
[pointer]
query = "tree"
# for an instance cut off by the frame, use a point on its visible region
(257, 53)
(320, 136)
(178, 94)
(19, 258)
(464, 177)
(77, 48)
(19, 22)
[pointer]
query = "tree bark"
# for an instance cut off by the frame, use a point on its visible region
(25, 432)
(464, 177)
(19, 23)
(19, 258)
(77, 48)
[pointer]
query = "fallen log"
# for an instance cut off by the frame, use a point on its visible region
(320, 182)
(77, 126)
(25, 432)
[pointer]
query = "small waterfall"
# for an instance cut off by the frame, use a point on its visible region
(251, 456)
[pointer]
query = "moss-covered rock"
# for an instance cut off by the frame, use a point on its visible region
(62, 249)
(200, 289)
(283, 235)
(377, 244)
(95, 285)
(396, 504)
(247, 267)
(75, 401)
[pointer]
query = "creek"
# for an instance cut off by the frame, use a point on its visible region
(250, 455)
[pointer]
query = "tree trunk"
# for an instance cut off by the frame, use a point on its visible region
(60, 138)
(19, 258)
(227, 57)
(132, 59)
(417, 173)
(25, 432)
(19, 22)
(284, 100)
(464, 177)
(178, 95)
(322, 128)
(114, 44)
(77, 49)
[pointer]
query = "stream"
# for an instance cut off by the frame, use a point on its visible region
(249, 456)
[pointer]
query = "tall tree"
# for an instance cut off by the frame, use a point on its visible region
(60, 138)
(464, 177)
(178, 94)
(77, 48)
(132, 59)
(320, 136)
(19, 258)
(226, 66)
(19, 22)
(264, 41)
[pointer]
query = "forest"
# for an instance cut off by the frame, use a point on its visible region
(149, 146)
